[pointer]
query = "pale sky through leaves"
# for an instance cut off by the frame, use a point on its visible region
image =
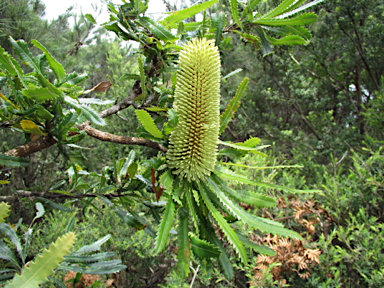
(54, 8)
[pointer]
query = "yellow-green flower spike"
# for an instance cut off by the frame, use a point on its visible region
(193, 143)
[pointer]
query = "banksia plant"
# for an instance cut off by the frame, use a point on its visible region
(193, 144)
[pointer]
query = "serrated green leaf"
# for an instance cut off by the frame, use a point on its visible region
(303, 19)
(8, 255)
(99, 268)
(294, 8)
(181, 15)
(4, 211)
(40, 94)
(7, 230)
(203, 249)
(148, 123)
(165, 225)
(157, 29)
(244, 196)
(10, 161)
(280, 9)
(225, 227)
(261, 249)
(233, 105)
(266, 47)
(21, 48)
(235, 13)
(262, 224)
(127, 217)
(44, 264)
(9, 64)
(232, 176)
(88, 258)
(219, 28)
(241, 147)
(96, 246)
(287, 40)
(66, 123)
(88, 112)
(142, 80)
(55, 66)
(183, 251)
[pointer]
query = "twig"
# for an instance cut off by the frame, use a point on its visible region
(195, 271)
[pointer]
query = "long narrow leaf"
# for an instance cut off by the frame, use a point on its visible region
(232, 176)
(148, 123)
(8, 255)
(248, 197)
(302, 8)
(88, 112)
(226, 228)
(283, 6)
(157, 29)
(165, 225)
(261, 249)
(183, 252)
(219, 28)
(10, 161)
(44, 264)
(303, 19)
(55, 66)
(204, 249)
(21, 48)
(233, 105)
(181, 15)
(263, 225)
(235, 13)
(287, 40)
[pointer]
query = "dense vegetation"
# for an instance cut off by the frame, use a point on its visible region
(87, 160)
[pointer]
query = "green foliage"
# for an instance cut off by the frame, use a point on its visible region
(38, 271)
(48, 103)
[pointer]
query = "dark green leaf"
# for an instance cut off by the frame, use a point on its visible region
(165, 225)
(10, 161)
(204, 249)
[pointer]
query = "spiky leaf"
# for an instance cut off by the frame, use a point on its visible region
(204, 249)
(303, 19)
(232, 176)
(4, 211)
(193, 144)
(44, 264)
(183, 251)
(165, 225)
(148, 123)
(55, 66)
(233, 105)
(223, 224)
(178, 16)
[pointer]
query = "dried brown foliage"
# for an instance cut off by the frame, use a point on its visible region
(85, 281)
(291, 254)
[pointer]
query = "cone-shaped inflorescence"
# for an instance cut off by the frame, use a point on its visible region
(193, 144)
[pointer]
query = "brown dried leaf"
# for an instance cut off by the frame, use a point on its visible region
(101, 87)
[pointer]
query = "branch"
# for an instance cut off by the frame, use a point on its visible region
(32, 147)
(108, 137)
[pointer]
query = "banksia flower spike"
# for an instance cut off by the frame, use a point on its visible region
(193, 144)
